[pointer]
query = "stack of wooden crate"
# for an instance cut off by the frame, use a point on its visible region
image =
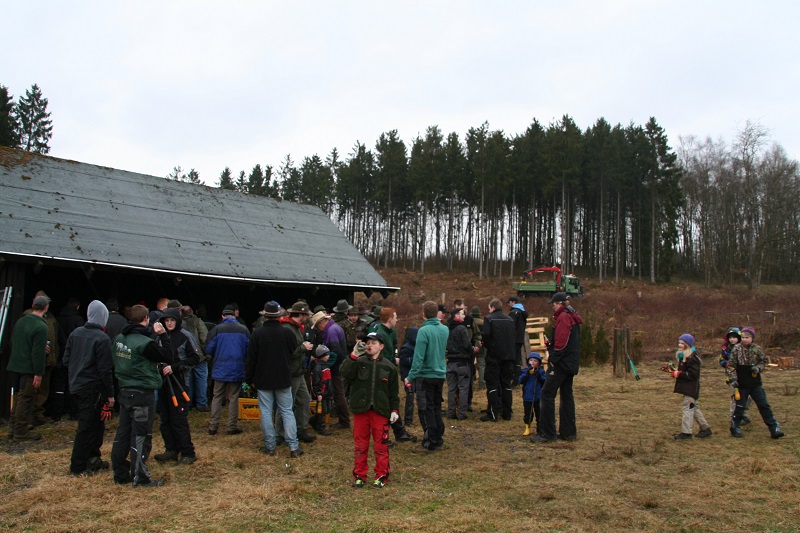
(535, 327)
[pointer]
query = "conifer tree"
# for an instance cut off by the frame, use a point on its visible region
(9, 135)
(35, 126)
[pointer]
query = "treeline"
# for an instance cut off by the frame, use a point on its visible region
(740, 219)
(605, 200)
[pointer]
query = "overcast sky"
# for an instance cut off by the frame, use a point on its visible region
(145, 86)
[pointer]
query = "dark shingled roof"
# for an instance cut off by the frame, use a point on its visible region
(77, 212)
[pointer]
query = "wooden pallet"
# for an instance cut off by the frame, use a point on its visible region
(535, 328)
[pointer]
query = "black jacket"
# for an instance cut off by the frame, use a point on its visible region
(499, 334)
(688, 381)
(459, 345)
(267, 364)
(520, 318)
(87, 355)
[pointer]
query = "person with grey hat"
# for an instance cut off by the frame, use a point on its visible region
(341, 315)
(87, 357)
(26, 366)
(294, 321)
(268, 371)
(565, 358)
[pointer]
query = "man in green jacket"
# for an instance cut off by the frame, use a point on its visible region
(136, 357)
(26, 366)
(375, 402)
(427, 373)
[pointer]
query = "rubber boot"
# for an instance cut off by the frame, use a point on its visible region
(527, 431)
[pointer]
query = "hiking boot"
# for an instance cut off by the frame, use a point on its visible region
(379, 483)
(406, 437)
(745, 420)
(775, 432)
(703, 433)
(736, 432)
(212, 431)
(421, 449)
(390, 443)
(204, 409)
(568, 438)
(306, 437)
(538, 439)
(296, 453)
(682, 436)
(95, 463)
(149, 483)
(343, 424)
(488, 418)
(30, 435)
(169, 455)
(235, 431)
(267, 451)
(358, 483)
(187, 460)
(323, 431)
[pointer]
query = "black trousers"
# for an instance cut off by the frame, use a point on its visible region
(89, 435)
(558, 382)
(175, 420)
(137, 411)
(429, 403)
(499, 375)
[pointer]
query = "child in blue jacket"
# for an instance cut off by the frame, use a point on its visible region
(532, 379)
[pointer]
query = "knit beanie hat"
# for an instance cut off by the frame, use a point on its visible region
(751, 331)
(321, 351)
(688, 339)
(733, 332)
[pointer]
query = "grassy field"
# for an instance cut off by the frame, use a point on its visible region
(625, 472)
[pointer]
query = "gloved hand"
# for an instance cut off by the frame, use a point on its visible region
(359, 349)
(106, 413)
(394, 417)
(755, 370)
(531, 371)
(735, 384)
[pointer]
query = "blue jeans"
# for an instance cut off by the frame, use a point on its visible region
(283, 399)
(198, 384)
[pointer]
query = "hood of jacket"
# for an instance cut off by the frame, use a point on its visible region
(97, 313)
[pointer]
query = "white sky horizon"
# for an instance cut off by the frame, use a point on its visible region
(148, 86)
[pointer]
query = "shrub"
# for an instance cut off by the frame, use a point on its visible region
(602, 348)
(587, 345)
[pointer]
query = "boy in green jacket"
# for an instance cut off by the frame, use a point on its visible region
(374, 401)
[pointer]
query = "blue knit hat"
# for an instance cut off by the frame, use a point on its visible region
(688, 339)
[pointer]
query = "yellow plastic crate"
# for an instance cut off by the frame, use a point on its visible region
(248, 409)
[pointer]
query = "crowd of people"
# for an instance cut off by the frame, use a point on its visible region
(345, 362)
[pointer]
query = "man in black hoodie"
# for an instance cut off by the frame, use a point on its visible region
(174, 418)
(87, 356)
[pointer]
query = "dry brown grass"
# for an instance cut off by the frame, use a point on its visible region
(625, 472)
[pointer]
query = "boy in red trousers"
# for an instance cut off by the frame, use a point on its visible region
(375, 402)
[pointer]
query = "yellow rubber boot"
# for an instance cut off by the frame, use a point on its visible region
(527, 430)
